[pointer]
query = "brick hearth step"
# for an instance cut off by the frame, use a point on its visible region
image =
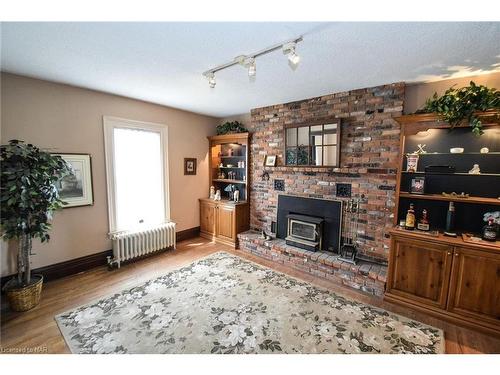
(364, 276)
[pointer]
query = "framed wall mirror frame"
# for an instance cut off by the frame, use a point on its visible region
(313, 144)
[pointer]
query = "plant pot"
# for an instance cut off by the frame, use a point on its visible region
(24, 298)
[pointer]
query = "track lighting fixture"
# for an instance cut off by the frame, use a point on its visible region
(252, 68)
(211, 79)
(248, 61)
(289, 49)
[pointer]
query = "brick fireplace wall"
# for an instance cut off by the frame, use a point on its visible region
(369, 154)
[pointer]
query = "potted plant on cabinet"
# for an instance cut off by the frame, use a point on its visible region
(28, 196)
(463, 104)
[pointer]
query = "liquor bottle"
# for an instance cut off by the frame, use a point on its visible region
(423, 224)
(450, 221)
(410, 218)
(490, 230)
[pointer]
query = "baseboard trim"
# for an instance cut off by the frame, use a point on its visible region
(69, 267)
(74, 266)
(187, 234)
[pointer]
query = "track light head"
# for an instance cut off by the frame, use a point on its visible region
(211, 79)
(247, 62)
(252, 68)
(293, 58)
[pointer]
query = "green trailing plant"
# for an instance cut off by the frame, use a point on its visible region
(231, 127)
(458, 105)
(28, 196)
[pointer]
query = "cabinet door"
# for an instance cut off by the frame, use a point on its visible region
(225, 222)
(207, 217)
(475, 285)
(420, 271)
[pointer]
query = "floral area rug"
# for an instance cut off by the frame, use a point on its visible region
(225, 304)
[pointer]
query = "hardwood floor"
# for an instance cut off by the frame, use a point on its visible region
(36, 330)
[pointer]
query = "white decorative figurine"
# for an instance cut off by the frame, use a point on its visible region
(475, 169)
(484, 150)
(237, 196)
(217, 196)
(420, 149)
(212, 192)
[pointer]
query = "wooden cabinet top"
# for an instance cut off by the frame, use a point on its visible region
(414, 123)
(442, 239)
(229, 137)
(225, 202)
(488, 118)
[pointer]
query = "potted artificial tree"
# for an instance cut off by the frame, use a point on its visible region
(28, 196)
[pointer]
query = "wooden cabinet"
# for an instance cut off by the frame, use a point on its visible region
(421, 271)
(225, 227)
(447, 278)
(207, 218)
(221, 221)
(475, 285)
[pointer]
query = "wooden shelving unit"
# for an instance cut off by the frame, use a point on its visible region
(222, 220)
(483, 189)
(447, 277)
(225, 152)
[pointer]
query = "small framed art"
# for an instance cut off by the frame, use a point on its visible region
(190, 166)
(270, 161)
(417, 185)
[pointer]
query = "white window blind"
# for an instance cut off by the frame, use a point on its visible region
(136, 174)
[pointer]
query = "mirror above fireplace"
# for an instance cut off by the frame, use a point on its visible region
(313, 144)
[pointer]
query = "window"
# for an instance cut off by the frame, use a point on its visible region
(313, 144)
(136, 170)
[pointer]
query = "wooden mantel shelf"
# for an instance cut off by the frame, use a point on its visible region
(487, 118)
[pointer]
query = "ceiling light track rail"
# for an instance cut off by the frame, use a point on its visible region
(248, 61)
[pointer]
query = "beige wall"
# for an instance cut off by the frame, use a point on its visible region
(417, 94)
(69, 119)
(244, 118)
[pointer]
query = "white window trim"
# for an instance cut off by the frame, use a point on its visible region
(109, 124)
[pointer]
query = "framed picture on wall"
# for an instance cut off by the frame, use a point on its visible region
(76, 189)
(190, 166)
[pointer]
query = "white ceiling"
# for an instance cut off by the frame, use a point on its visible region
(163, 62)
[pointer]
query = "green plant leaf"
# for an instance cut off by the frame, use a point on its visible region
(459, 105)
